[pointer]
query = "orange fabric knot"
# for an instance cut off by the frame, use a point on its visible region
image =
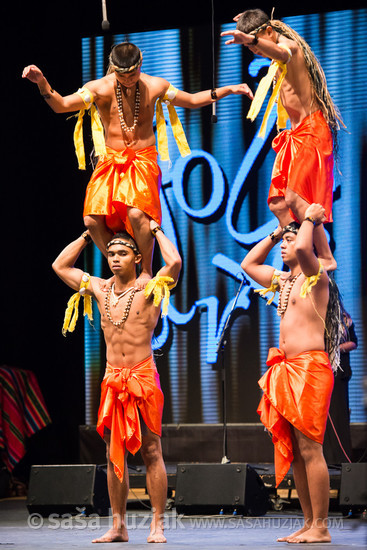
(297, 393)
(126, 157)
(127, 393)
(275, 356)
(126, 385)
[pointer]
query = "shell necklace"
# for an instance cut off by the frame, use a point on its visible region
(282, 308)
(127, 307)
(124, 126)
(115, 299)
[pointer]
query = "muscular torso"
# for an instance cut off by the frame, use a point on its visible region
(301, 326)
(296, 91)
(131, 343)
(105, 99)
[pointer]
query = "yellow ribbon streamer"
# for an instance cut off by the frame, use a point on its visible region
(311, 281)
(274, 286)
(72, 310)
(97, 129)
(177, 129)
(262, 91)
(160, 287)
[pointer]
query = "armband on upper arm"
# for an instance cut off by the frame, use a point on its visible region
(274, 286)
(86, 96)
(71, 313)
(311, 281)
(288, 50)
(170, 94)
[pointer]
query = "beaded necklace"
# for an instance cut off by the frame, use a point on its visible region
(124, 126)
(126, 311)
(115, 299)
(281, 309)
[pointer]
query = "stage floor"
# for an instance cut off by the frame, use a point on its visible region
(21, 531)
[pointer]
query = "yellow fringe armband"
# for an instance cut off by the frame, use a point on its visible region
(160, 287)
(72, 310)
(97, 129)
(311, 281)
(274, 286)
(260, 96)
(176, 125)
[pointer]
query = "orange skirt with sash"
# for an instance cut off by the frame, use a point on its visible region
(125, 393)
(297, 392)
(122, 179)
(305, 163)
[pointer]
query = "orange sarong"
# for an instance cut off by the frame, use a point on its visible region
(121, 179)
(305, 162)
(125, 393)
(297, 391)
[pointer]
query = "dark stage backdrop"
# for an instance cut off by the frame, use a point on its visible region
(214, 209)
(42, 195)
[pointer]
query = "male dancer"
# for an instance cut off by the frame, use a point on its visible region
(303, 168)
(130, 412)
(124, 189)
(298, 384)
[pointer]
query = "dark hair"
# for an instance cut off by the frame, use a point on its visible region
(124, 235)
(335, 324)
(125, 55)
(292, 227)
(251, 20)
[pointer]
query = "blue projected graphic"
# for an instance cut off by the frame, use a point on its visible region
(214, 205)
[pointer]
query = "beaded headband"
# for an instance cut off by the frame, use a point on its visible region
(261, 28)
(125, 243)
(123, 70)
(293, 227)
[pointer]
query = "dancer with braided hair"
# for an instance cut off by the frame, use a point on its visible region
(303, 168)
(298, 384)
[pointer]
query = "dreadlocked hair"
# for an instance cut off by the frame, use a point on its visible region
(334, 324)
(317, 77)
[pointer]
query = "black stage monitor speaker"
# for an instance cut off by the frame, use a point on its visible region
(212, 488)
(68, 488)
(353, 486)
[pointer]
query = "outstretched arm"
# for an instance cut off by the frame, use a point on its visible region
(57, 102)
(64, 263)
(170, 255)
(262, 46)
(253, 263)
(304, 246)
(200, 99)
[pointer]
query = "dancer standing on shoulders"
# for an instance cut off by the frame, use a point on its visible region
(123, 192)
(303, 168)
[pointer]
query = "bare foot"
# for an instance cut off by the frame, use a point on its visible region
(313, 535)
(329, 264)
(156, 535)
(114, 535)
(289, 538)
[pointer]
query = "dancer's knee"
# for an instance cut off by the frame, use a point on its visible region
(137, 217)
(151, 452)
(278, 206)
(93, 222)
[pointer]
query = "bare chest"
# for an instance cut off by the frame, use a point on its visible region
(289, 294)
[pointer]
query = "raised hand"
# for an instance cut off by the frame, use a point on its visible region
(317, 212)
(32, 73)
